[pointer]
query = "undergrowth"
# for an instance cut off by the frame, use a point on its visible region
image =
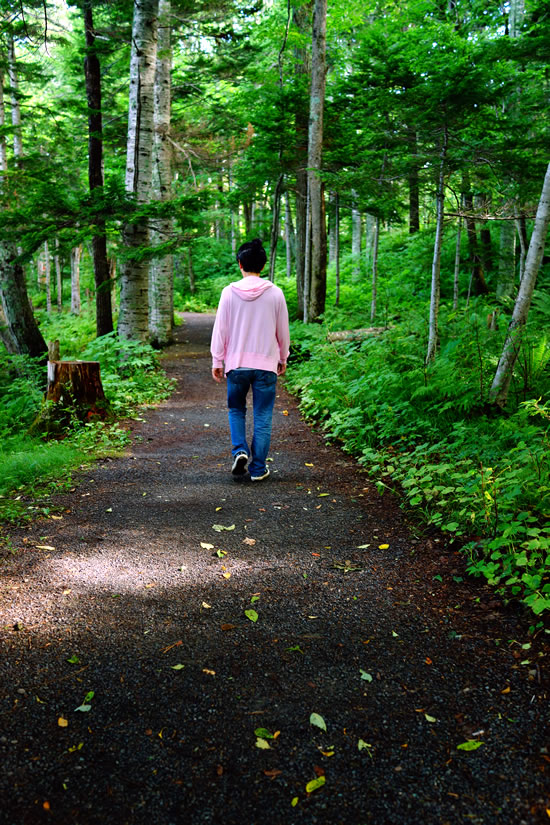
(479, 475)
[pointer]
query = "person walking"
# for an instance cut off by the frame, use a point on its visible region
(251, 338)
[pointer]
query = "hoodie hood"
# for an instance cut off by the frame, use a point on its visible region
(250, 288)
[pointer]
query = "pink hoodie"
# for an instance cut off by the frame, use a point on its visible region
(251, 327)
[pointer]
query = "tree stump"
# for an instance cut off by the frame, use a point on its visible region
(74, 393)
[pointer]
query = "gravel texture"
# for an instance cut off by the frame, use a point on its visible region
(119, 597)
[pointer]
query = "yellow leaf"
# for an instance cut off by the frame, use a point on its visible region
(315, 783)
(62, 722)
(44, 547)
(218, 509)
(383, 546)
(226, 575)
(294, 802)
(210, 672)
(206, 546)
(285, 412)
(309, 465)
(206, 605)
(506, 689)
(262, 744)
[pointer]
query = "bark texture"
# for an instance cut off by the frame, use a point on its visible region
(161, 281)
(318, 282)
(134, 282)
(20, 322)
(503, 376)
(92, 72)
(436, 262)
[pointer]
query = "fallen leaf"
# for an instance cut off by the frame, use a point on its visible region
(383, 546)
(295, 801)
(226, 575)
(251, 614)
(83, 708)
(285, 412)
(206, 606)
(273, 773)
(314, 784)
(210, 672)
(428, 660)
(255, 598)
(318, 721)
(63, 723)
(251, 542)
(308, 464)
(46, 805)
(470, 745)
(206, 546)
(264, 733)
(177, 667)
(220, 527)
(262, 744)
(73, 660)
(362, 546)
(323, 494)
(44, 547)
(364, 675)
(361, 745)
(218, 509)
(430, 718)
(228, 626)
(506, 689)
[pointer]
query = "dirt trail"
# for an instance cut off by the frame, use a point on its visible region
(122, 597)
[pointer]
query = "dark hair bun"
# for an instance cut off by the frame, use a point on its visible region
(256, 243)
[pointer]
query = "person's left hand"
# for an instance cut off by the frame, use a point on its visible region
(217, 374)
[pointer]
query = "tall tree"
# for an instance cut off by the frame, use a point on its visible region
(503, 375)
(318, 279)
(92, 71)
(134, 281)
(161, 282)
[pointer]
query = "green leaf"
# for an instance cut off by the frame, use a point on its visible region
(364, 675)
(83, 708)
(74, 660)
(430, 718)
(263, 733)
(254, 599)
(470, 745)
(295, 801)
(89, 696)
(318, 721)
(251, 614)
(177, 667)
(262, 744)
(315, 783)
(220, 527)
(361, 745)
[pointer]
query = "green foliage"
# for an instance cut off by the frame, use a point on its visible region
(429, 433)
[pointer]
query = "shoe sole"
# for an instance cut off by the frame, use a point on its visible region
(260, 478)
(239, 465)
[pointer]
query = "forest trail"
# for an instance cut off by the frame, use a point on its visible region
(123, 596)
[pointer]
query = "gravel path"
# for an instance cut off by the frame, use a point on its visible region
(134, 595)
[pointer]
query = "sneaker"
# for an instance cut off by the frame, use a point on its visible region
(260, 478)
(239, 464)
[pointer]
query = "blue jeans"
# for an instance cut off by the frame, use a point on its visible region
(263, 385)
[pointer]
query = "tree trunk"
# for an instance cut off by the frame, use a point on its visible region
(191, 272)
(3, 148)
(58, 278)
(414, 188)
(478, 278)
(521, 226)
(134, 282)
(486, 248)
(506, 261)
(76, 254)
(374, 290)
(14, 95)
(92, 73)
(318, 286)
(356, 240)
(457, 263)
(503, 376)
(48, 277)
(161, 283)
(332, 227)
(436, 263)
(301, 17)
(337, 246)
(20, 321)
(289, 235)
(275, 226)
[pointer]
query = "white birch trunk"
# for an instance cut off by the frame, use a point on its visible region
(76, 254)
(161, 284)
(374, 289)
(337, 246)
(522, 248)
(134, 282)
(48, 277)
(457, 263)
(503, 376)
(288, 231)
(58, 278)
(3, 149)
(15, 107)
(275, 226)
(436, 262)
(356, 232)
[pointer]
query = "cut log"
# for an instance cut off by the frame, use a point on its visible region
(353, 334)
(74, 393)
